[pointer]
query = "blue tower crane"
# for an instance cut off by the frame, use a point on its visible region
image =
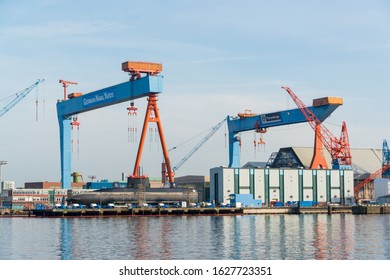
(19, 96)
(260, 123)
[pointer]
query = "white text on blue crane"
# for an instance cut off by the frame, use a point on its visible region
(98, 98)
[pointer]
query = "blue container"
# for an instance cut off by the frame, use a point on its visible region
(305, 203)
(246, 200)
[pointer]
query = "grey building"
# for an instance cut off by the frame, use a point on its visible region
(200, 183)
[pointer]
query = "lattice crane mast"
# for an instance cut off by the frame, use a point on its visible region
(338, 148)
(19, 96)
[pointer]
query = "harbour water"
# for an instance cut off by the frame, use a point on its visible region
(265, 237)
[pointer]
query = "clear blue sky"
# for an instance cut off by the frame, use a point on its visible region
(219, 58)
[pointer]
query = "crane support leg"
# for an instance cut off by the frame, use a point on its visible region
(65, 147)
(234, 150)
(152, 115)
(318, 161)
(133, 89)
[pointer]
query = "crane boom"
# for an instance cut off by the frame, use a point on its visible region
(338, 148)
(19, 96)
(371, 177)
(214, 129)
(384, 171)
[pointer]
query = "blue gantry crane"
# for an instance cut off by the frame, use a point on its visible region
(248, 121)
(144, 82)
(260, 123)
(19, 96)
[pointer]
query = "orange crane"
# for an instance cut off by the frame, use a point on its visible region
(65, 85)
(338, 148)
(152, 115)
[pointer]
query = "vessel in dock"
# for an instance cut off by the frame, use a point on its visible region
(134, 196)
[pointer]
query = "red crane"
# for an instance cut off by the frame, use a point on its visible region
(65, 85)
(338, 148)
(370, 178)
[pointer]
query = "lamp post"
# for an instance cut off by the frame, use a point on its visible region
(2, 162)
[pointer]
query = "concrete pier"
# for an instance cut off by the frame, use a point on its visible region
(122, 211)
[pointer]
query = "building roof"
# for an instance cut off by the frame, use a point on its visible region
(254, 164)
(364, 161)
(192, 179)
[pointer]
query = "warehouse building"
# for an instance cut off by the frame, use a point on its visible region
(286, 177)
(365, 161)
(282, 185)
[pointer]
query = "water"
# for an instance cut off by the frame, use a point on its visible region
(268, 237)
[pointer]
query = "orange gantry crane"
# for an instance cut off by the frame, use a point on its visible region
(152, 115)
(338, 148)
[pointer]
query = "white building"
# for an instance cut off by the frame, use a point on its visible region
(8, 185)
(322, 186)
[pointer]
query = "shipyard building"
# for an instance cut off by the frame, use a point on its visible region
(282, 185)
(286, 177)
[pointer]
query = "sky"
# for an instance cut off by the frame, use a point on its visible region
(219, 58)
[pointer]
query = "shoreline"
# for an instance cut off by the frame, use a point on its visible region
(120, 211)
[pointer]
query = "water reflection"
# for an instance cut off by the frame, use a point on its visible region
(65, 241)
(271, 237)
